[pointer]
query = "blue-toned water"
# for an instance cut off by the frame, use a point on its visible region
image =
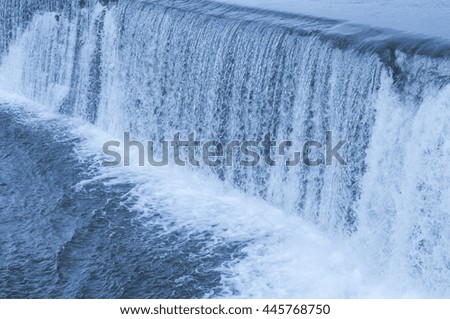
(63, 239)
(90, 71)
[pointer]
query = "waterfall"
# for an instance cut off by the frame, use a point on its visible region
(154, 68)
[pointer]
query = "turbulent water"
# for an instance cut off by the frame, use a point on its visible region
(377, 227)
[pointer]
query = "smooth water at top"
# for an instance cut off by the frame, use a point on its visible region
(415, 16)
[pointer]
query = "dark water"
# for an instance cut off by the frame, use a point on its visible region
(62, 241)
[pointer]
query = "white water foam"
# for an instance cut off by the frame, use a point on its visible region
(286, 256)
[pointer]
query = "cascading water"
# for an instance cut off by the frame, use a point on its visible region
(227, 73)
